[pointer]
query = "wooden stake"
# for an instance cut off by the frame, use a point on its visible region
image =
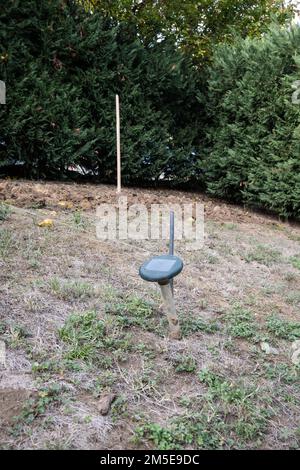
(118, 144)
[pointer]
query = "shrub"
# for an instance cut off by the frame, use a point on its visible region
(63, 67)
(254, 128)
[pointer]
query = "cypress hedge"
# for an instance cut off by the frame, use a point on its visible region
(253, 130)
(63, 66)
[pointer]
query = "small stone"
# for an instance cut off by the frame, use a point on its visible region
(295, 358)
(265, 347)
(105, 402)
(296, 345)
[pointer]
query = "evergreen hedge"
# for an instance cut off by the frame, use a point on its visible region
(253, 131)
(63, 67)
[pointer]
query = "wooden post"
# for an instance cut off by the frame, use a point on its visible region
(118, 144)
(166, 292)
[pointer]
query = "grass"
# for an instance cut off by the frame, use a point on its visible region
(240, 323)
(83, 333)
(185, 363)
(283, 373)
(68, 290)
(5, 211)
(135, 311)
(88, 338)
(295, 261)
(263, 254)
(293, 297)
(191, 324)
(230, 416)
(205, 430)
(6, 242)
(79, 220)
(14, 335)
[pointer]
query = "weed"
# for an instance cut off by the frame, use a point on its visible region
(229, 226)
(212, 259)
(238, 402)
(105, 381)
(119, 408)
(185, 364)
(293, 297)
(84, 334)
(87, 335)
(38, 405)
(6, 242)
(70, 289)
(240, 323)
(163, 439)
(5, 211)
(78, 220)
(145, 349)
(283, 329)
(220, 388)
(295, 260)
(16, 336)
(264, 255)
(284, 373)
(290, 277)
(191, 325)
(134, 311)
(147, 381)
(229, 417)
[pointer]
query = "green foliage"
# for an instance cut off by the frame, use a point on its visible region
(63, 67)
(194, 26)
(84, 334)
(284, 373)
(240, 323)
(4, 211)
(284, 329)
(229, 417)
(295, 260)
(162, 438)
(263, 254)
(185, 364)
(134, 311)
(90, 339)
(220, 388)
(190, 325)
(6, 243)
(38, 405)
(253, 132)
(68, 290)
(230, 127)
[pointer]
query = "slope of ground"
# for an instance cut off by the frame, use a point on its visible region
(80, 327)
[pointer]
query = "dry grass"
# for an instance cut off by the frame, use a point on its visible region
(77, 321)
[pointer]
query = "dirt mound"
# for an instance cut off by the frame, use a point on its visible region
(11, 404)
(72, 196)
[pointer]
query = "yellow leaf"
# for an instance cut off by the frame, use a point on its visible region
(66, 204)
(46, 223)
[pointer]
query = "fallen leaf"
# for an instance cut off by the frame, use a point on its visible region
(66, 204)
(46, 223)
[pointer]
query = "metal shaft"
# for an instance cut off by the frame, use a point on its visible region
(171, 244)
